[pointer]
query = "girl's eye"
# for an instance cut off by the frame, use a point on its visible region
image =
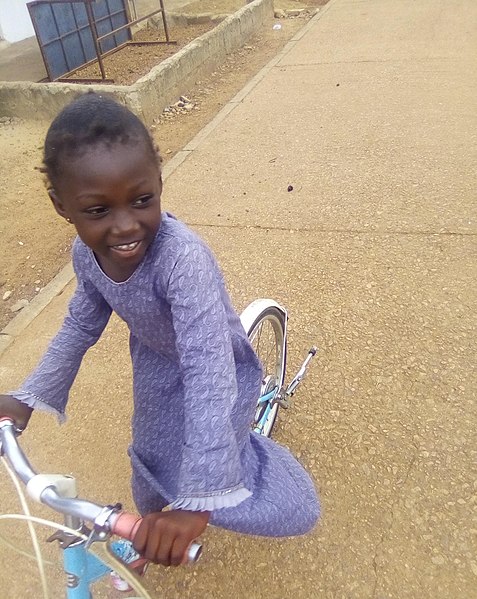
(143, 200)
(96, 210)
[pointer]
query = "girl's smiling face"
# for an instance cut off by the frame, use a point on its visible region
(112, 194)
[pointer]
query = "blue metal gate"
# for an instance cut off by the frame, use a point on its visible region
(65, 35)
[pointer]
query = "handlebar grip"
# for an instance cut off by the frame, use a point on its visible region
(126, 525)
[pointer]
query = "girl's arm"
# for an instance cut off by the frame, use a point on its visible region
(211, 473)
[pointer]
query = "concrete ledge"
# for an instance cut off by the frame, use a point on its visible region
(156, 90)
(184, 19)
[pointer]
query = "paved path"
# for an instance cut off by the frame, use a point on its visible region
(370, 115)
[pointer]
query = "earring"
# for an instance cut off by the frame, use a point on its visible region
(68, 220)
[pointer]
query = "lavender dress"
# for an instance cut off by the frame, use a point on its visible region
(196, 383)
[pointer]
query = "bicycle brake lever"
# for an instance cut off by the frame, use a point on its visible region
(102, 530)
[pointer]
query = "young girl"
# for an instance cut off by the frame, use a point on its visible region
(196, 377)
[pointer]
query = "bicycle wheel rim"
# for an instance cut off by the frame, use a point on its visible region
(267, 337)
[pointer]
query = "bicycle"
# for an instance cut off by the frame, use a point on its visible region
(87, 553)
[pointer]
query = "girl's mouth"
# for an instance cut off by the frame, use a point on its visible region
(126, 247)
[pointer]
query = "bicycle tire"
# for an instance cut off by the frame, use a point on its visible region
(274, 318)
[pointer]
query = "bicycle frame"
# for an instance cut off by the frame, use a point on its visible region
(269, 399)
(81, 569)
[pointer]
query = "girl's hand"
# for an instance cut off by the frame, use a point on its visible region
(16, 410)
(164, 537)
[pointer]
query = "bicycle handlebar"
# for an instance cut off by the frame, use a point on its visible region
(105, 518)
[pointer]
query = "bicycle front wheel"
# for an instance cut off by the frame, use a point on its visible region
(265, 324)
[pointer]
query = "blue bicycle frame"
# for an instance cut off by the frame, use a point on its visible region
(83, 569)
(265, 399)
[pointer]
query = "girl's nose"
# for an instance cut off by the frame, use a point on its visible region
(125, 223)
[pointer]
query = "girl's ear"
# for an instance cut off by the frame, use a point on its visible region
(57, 203)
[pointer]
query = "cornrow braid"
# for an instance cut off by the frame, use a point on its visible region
(88, 121)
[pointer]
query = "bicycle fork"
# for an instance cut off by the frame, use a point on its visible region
(282, 399)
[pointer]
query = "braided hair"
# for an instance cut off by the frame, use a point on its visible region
(90, 120)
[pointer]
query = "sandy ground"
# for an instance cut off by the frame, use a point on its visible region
(34, 243)
(127, 65)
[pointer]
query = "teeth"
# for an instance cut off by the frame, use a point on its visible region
(126, 247)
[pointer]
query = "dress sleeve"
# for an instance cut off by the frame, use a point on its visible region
(48, 386)
(210, 476)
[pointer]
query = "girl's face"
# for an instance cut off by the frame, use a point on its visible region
(113, 197)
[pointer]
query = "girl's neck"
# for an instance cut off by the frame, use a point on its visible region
(114, 272)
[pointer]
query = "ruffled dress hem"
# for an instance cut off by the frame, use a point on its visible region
(215, 501)
(34, 402)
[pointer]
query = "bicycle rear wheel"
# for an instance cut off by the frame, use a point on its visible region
(265, 324)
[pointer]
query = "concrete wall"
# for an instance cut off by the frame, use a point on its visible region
(159, 88)
(15, 22)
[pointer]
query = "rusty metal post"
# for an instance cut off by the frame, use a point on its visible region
(94, 31)
(164, 21)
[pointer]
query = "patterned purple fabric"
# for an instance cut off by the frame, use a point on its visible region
(196, 383)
